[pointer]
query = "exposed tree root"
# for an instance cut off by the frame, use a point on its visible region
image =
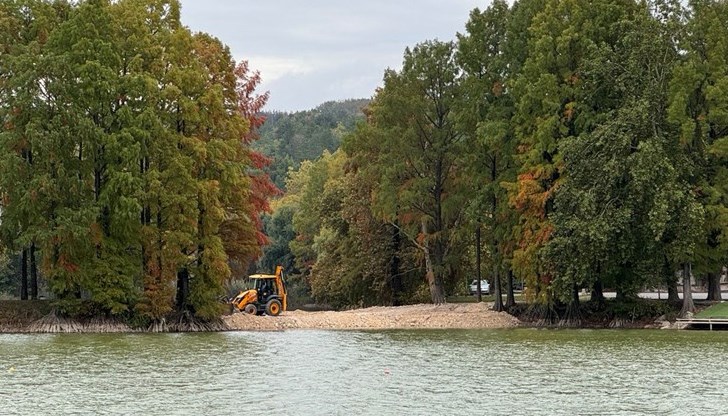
(542, 314)
(572, 316)
(106, 325)
(52, 323)
(158, 325)
(617, 323)
(187, 323)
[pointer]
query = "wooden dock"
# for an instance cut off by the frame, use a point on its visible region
(704, 323)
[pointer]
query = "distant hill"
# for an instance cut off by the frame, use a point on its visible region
(290, 138)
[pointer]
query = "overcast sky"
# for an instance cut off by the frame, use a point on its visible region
(312, 51)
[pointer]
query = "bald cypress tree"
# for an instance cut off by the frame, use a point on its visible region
(124, 151)
(698, 100)
(416, 148)
(560, 99)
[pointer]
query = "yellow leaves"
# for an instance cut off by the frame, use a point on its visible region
(569, 111)
(498, 88)
(530, 198)
(96, 233)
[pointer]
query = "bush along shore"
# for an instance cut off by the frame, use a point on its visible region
(628, 314)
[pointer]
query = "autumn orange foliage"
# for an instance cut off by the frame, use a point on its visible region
(250, 105)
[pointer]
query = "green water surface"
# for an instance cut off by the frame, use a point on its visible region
(463, 372)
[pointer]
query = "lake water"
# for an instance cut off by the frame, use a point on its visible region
(489, 372)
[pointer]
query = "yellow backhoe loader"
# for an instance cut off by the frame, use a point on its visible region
(267, 296)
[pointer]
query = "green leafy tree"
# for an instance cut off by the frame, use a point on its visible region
(128, 141)
(698, 105)
(349, 246)
(555, 103)
(485, 115)
(24, 30)
(279, 228)
(416, 147)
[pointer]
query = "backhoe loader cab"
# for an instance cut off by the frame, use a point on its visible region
(267, 296)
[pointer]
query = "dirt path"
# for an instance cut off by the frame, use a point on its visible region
(461, 315)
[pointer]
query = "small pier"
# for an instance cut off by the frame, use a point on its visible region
(704, 323)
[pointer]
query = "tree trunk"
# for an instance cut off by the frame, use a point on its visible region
(160, 241)
(183, 289)
(24, 275)
(146, 214)
(714, 294)
(597, 293)
(33, 274)
(395, 276)
(672, 295)
(620, 296)
(510, 298)
(437, 289)
(498, 304)
(670, 282)
(688, 305)
(477, 264)
(572, 316)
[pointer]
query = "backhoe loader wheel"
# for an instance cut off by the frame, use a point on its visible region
(250, 309)
(273, 307)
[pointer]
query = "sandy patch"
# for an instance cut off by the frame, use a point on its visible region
(460, 315)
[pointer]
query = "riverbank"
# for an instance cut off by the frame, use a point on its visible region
(19, 318)
(37, 317)
(446, 316)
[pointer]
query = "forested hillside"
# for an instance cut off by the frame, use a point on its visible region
(290, 138)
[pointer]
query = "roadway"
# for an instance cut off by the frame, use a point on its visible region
(700, 295)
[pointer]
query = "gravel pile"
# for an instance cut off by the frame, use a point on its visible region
(461, 315)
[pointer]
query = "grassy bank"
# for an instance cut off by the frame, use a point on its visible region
(719, 311)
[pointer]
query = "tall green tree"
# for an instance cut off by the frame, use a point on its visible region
(348, 245)
(485, 114)
(129, 142)
(24, 30)
(555, 103)
(417, 148)
(698, 105)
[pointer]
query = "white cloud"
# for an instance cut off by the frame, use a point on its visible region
(273, 68)
(321, 50)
